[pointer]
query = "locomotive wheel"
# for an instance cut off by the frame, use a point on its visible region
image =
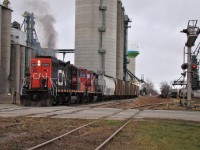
(44, 102)
(21, 101)
(49, 102)
(78, 100)
(27, 102)
(84, 100)
(54, 101)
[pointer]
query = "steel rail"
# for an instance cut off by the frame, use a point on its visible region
(153, 104)
(116, 132)
(105, 142)
(61, 136)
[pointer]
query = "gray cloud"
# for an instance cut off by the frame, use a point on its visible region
(156, 28)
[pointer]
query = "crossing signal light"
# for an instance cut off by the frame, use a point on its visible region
(185, 31)
(184, 66)
(194, 68)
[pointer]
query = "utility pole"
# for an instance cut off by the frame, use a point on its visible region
(189, 88)
(192, 32)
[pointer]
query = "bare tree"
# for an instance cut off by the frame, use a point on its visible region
(149, 89)
(165, 89)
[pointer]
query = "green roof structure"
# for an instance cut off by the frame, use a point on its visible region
(133, 54)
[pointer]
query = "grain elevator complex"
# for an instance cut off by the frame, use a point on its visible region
(101, 34)
(101, 43)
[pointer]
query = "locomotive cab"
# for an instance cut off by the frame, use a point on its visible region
(87, 80)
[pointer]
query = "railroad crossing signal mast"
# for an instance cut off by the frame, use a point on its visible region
(192, 32)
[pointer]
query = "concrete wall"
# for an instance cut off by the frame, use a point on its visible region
(131, 65)
(87, 36)
(5, 50)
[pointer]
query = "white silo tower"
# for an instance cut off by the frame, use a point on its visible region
(131, 55)
(96, 35)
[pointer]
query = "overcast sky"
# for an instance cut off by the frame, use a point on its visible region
(156, 26)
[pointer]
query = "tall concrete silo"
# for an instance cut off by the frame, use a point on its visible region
(15, 66)
(0, 37)
(96, 35)
(5, 49)
(120, 41)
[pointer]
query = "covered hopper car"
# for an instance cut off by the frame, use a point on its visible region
(53, 82)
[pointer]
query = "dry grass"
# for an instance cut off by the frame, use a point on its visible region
(158, 135)
(33, 131)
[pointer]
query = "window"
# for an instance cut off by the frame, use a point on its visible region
(88, 76)
(82, 73)
(45, 64)
(34, 64)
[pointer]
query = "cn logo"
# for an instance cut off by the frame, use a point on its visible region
(61, 77)
(37, 76)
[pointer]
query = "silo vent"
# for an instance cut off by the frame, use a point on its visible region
(102, 29)
(101, 50)
(103, 8)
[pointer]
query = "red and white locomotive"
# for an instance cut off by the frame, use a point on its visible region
(52, 81)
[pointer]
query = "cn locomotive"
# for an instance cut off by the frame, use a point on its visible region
(52, 82)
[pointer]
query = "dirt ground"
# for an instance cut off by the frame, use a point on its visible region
(159, 104)
(24, 133)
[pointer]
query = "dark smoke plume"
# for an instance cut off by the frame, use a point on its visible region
(45, 21)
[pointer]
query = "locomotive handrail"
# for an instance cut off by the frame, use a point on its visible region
(54, 87)
(24, 80)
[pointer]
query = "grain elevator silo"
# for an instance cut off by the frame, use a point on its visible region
(5, 46)
(96, 35)
(120, 41)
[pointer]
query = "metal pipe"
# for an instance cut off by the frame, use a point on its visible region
(101, 37)
(184, 54)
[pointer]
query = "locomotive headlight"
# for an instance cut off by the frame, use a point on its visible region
(39, 63)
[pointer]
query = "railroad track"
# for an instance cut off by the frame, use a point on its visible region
(141, 108)
(104, 143)
(117, 131)
(152, 105)
(72, 131)
(72, 112)
(12, 109)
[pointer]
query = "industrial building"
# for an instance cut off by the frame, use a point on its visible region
(5, 48)
(16, 49)
(12, 53)
(101, 32)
